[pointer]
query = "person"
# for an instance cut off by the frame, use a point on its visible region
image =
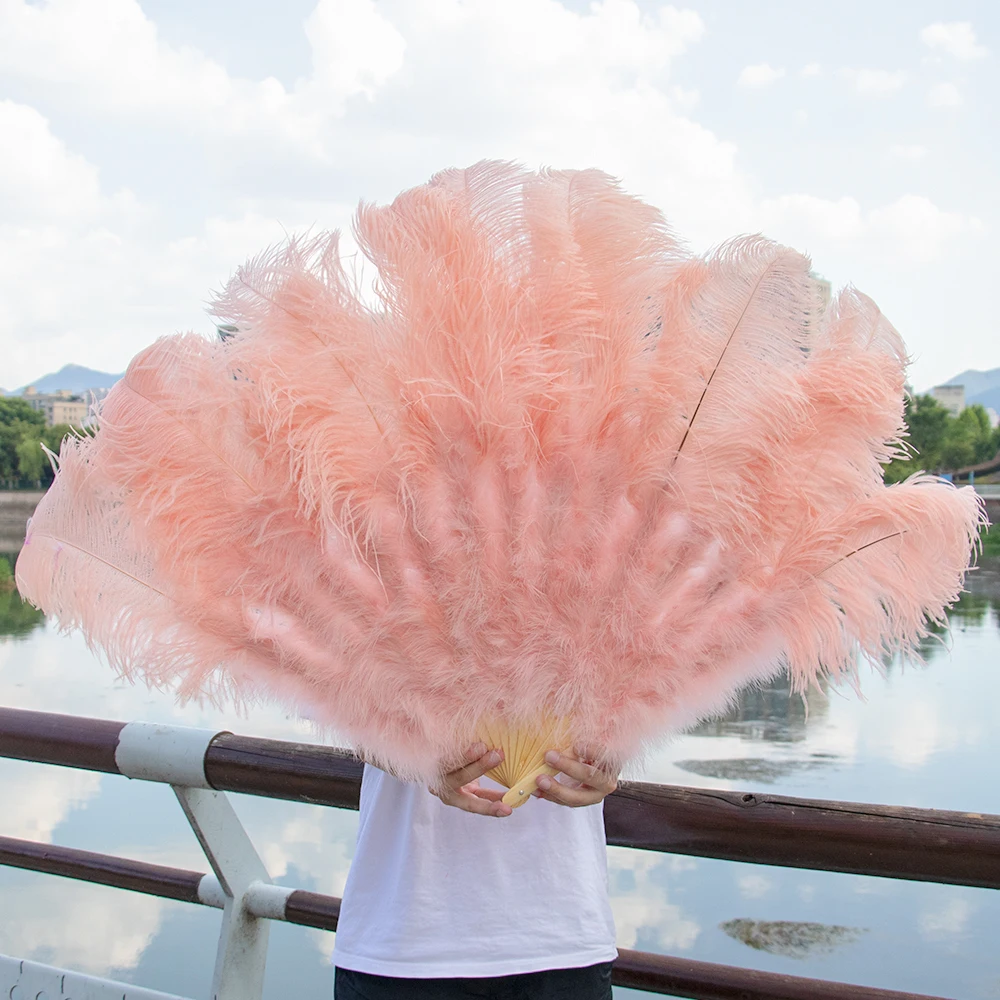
(453, 895)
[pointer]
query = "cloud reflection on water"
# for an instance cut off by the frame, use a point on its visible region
(77, 925)
(925, 736)
(765, 772)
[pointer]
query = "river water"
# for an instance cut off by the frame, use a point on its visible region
(923, 735)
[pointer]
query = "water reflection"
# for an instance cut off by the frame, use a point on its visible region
(758, 769)
(924, 737)
(97, 928)
(974, 609)
(18, 619)
(977, 607)
(769, 712)
(793, 939)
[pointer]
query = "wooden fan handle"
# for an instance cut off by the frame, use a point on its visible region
(518, 794)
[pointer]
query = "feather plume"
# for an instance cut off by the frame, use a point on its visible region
(563, 478)
(85, 562)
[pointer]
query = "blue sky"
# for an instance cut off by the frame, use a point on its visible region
(149, 148)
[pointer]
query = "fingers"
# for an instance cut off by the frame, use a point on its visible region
(470, 798)
(492, 794)
(594, 784)
(556, 791)
(475, 768)
(460, 787)
(582, 771)
(461, 760)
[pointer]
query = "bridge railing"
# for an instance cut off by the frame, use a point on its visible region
(202, 765)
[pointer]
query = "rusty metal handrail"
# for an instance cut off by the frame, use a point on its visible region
(664, 974)
(930, 845)
(887, 841)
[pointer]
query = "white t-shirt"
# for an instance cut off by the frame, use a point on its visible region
(434, 891)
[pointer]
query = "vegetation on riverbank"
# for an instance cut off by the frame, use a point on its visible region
(991, 541)
(17, 618)
(22, 434)
(938, 441)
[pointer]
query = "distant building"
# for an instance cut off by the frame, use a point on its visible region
(951, 397)
(994, 417)
(822, 293)
(62, 407)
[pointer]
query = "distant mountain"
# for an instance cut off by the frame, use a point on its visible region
(976, 382)
(76, 378)
(989, 398)
(980, 387)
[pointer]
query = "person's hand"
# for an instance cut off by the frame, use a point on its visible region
(587, 785)
(460, 788)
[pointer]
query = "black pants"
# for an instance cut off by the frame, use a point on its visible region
(593, 982)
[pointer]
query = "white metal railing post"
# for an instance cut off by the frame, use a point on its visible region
(242, 951)
(176, 755)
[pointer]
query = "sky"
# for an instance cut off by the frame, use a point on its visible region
(148, 149)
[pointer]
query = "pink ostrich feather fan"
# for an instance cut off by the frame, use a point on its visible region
(558, 469)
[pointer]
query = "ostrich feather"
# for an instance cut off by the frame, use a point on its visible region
(85, 562)
(562, 477)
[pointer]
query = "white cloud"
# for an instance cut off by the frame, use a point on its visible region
(910, 740)
(918, 229)
(42, 797)
(79, 266)
(945, 921)
(874, 82)
(399, 90)
(56, 672)
(445, 74)
(754, 886)
(355, 49)
(796, 215)
(956, 38)
(645, 908)
(912, 227)
(684, 100)
(40, 179)
(759, 75)
(388, 92)
(108, 54)
(911, 151)
(76, 925)
(944, 95)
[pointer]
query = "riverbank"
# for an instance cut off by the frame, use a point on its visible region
(16, 506)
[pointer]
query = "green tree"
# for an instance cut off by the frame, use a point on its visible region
(14, 410)
(928, 422)
(53, 437)
(968, 439)
(17, 419)
(30, 457)
(987, 440)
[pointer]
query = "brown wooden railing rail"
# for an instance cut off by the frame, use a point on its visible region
(929, 845)
(892, 842)
(636, 969)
